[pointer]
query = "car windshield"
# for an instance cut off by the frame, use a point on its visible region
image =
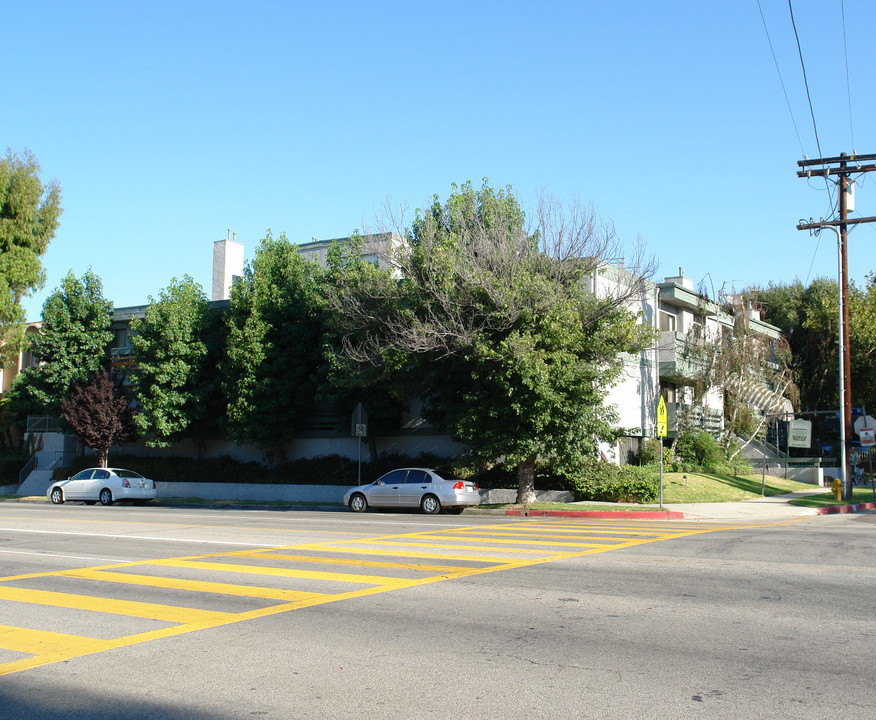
(445, 474)
(126, 473)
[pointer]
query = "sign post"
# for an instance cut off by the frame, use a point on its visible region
(662, 429)
(868, 440)
(359, 430)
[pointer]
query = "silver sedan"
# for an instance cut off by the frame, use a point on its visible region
(414, 487)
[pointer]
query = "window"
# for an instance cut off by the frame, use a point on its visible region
(667, 321)
(419, 477)
(396, 477)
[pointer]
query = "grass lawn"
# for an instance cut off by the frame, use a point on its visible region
(578, 507)
(696, 487)
(859, 495)
(693, 487)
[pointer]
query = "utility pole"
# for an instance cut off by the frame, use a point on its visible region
(842, 167)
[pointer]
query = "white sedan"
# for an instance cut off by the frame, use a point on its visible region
(103, 485)
(414, 487)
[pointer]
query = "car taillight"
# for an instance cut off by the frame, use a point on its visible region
(459, 485)
(125, 483)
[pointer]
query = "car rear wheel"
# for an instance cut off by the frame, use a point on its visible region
(430, 505)
(358, 503)
(57, 496)
(106, 497)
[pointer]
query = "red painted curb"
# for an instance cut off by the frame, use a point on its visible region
(632, 514)
(834, 509)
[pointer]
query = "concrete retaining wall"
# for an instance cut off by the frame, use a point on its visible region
(328, 494)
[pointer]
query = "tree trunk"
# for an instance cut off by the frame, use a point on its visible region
(102, 458)
(526, 482)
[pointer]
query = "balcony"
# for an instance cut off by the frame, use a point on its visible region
(670, 355)
(712, 420)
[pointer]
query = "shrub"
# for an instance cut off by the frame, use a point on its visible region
(607, 482)
(698, 449)
(11, 464)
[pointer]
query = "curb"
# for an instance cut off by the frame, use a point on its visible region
(857, 507)
(606, 514)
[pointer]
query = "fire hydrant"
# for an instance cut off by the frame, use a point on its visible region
(837, 487)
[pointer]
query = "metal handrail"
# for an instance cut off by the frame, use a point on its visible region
(29, 468)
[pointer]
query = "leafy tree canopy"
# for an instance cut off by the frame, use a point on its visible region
(273, 351)
(177, 348)
(512, 349)
(99, 414)
(71, 346)
(29, 212)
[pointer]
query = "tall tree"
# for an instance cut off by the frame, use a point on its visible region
(71, 346)
(273, 350)
(744, 369)
(177, 348)
(808, 318)
(29, 212)
(862, 343)
(99, 414)
(514, 351)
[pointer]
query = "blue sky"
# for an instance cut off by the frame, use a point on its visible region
(167, 123)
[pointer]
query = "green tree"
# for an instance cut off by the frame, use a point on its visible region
(384, 396)
(273, 350)
(512, 350)
(29, 212)
(808, 319)
(862, 343)
(177, 349)
(71, 346)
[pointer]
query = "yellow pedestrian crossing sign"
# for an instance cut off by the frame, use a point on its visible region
(662, 425)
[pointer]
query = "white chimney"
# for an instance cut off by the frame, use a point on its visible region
(227, 266)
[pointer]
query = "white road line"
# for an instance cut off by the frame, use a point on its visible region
(142, 537)
(67, 557)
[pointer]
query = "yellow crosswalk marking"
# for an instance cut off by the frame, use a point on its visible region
(40, 642)
(131, 608)
(484, 549)
(350, 561)
(516, 540)
(253, 591)
(280, 572)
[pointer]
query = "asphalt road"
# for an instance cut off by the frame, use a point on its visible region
(134, 613)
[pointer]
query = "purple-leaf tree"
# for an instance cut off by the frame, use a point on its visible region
(99, 414)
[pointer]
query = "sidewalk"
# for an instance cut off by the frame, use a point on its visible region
(772, 508)
(765, 509)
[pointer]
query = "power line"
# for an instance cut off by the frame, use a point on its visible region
(805, 79)
(781, 81)
(809, 99)
(848, 84)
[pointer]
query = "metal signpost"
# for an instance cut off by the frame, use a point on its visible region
(867, 435)
(662, 428)
(359, 430)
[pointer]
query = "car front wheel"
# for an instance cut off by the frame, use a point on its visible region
(430, 505)
(106, 497)
(358, 503)
(57, 496)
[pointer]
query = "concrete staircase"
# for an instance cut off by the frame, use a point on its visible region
(37, 483)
